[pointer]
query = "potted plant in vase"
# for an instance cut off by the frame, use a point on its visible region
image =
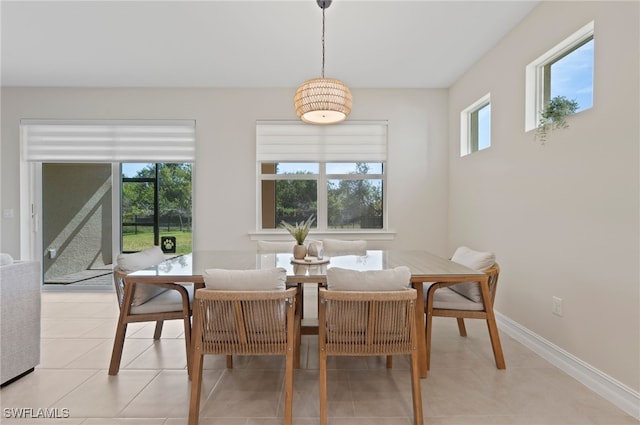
(299, 231)
(553, 116)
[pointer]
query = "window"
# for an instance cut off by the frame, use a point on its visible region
(354, 195)
(566, 71)
(156, 207)
(150, 151)
(475, 126)
(571, 76)
(336, 173)
(341, 195)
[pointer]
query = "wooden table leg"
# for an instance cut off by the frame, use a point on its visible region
(422, 344)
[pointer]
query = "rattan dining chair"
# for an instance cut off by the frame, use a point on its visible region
(443, 300)
(275, 247)
(333, 247)
(148, 302)
(244, 322)
(270, 249)
(368, 323)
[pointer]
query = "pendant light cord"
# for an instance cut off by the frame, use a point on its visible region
(323, 42)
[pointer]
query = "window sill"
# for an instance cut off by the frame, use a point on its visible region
(368, 235)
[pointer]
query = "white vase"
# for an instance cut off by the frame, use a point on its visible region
(299, 252)
(312, 249)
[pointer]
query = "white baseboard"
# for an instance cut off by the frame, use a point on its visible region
(616, 392)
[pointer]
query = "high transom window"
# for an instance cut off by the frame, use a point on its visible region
(564, 72)
(571, 75)
(475, 130)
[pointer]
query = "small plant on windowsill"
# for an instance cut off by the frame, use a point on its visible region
(554, 115)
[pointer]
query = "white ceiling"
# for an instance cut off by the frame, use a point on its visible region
(240, 43)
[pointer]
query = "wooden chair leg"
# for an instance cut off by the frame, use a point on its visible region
(196, 388)
(389, 362)
(323, 388)
(492, 326)
(288, 389)
(229, 361)
(158, 331)
(187, 342)
(416, 392)
(495, 344)
(461, 328)
(118, 346)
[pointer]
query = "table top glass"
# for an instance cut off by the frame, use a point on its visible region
(423, 265)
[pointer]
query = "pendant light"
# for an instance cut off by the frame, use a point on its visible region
(322, 100)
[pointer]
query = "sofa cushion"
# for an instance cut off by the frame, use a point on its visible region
(339, 279)
(129, 263)
(245, 280)
(5, 259)
(476, 260)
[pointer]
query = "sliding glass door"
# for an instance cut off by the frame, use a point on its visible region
(156, 207)
(91, 189)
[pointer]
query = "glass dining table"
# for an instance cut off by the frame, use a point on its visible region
(424, 266)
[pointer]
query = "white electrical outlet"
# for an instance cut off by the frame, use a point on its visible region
(556, 306)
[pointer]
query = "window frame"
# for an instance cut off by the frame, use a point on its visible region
(468, 144)
(537, 84)
(546, 69)
(279, 141)
(322, 179)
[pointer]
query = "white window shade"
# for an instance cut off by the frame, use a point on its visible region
(295, 142)
(108, 141)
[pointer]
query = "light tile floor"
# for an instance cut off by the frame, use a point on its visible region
(152, 388)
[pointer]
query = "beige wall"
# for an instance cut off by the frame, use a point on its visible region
(563, 218)
(225, 169)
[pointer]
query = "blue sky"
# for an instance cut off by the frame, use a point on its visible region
(131, 169)
(484, 127)
(572, 76)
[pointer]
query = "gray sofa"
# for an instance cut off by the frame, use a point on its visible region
(20, 283)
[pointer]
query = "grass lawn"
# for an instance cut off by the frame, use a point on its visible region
(143, 240)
